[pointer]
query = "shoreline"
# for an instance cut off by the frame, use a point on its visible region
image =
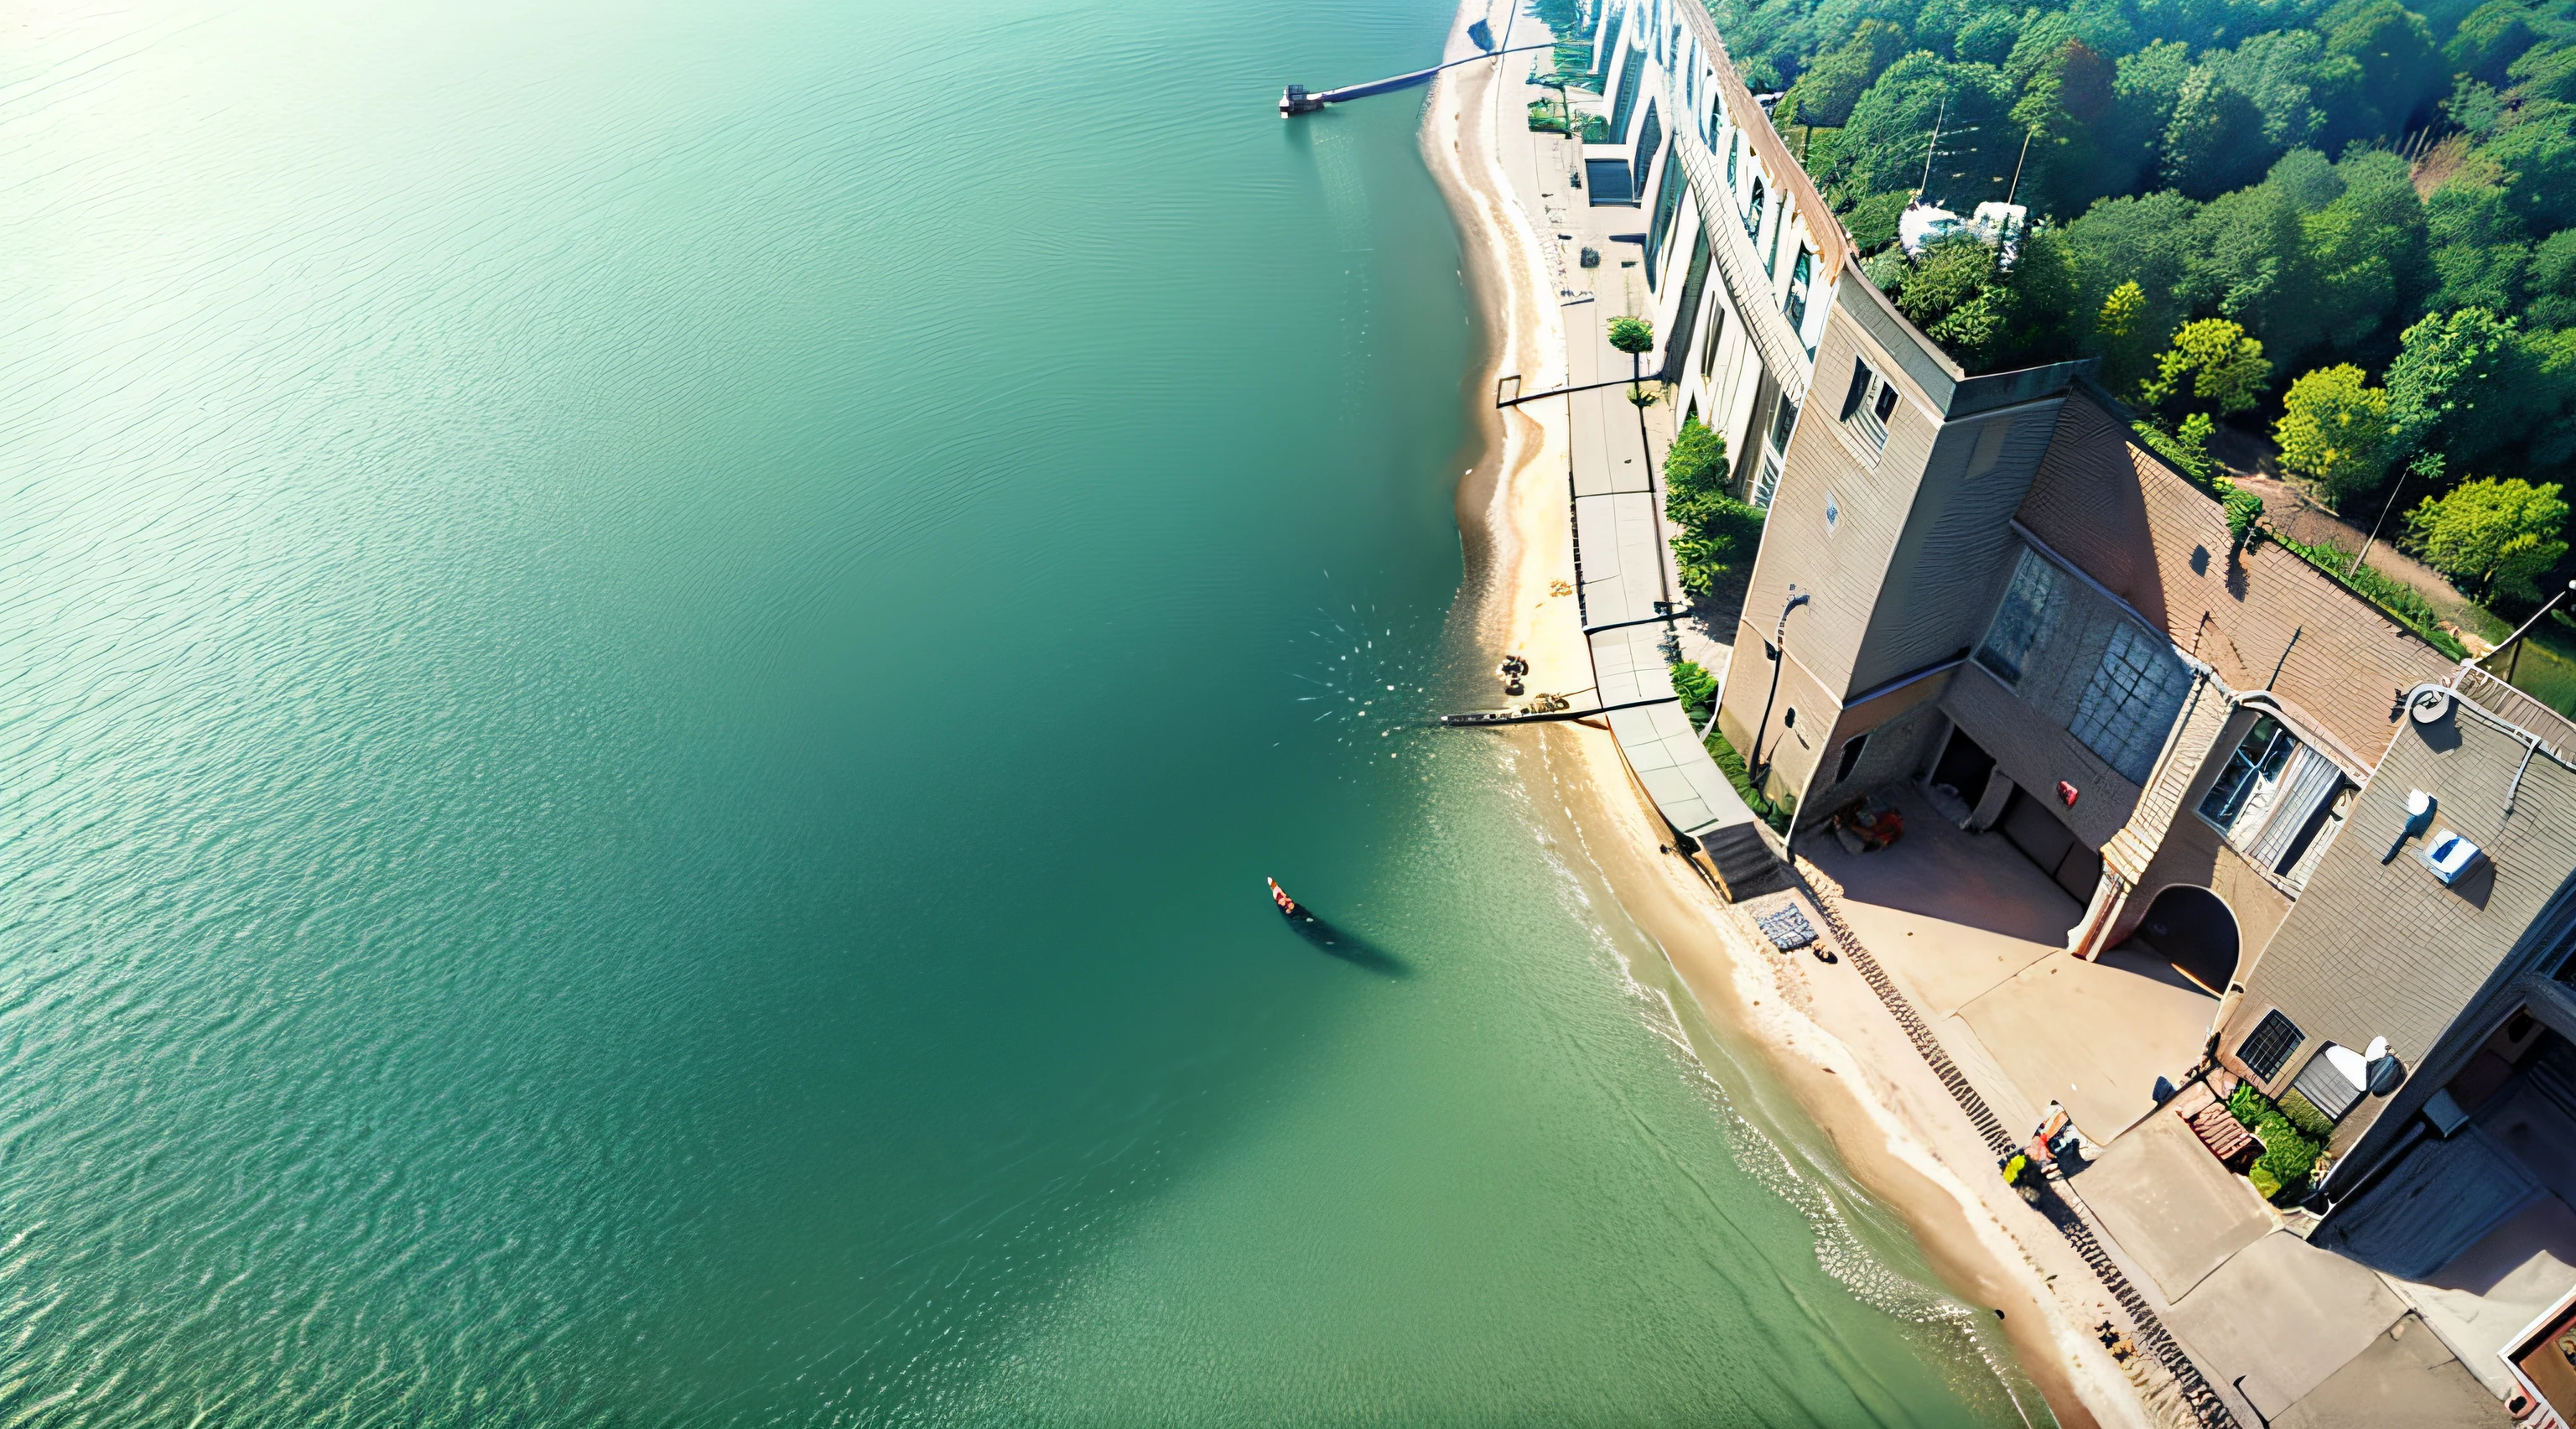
(1865, 1089)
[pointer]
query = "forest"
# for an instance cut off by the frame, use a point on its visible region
(2347, 227)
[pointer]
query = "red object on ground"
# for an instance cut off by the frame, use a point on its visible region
(2066, 791)
(2225, 1136)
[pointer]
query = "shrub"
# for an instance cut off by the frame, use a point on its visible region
(1695, 685)
(2289, 1152)
(2303, 1114)
(1731, 764)
(2402, 602)
(1717, 529)
(2187, 448)
(2244, 508)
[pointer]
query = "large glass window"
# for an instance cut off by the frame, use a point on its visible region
(2022, 619)
(2255, 764)
(1753, 212)
(1795, 305)
(2130, 704)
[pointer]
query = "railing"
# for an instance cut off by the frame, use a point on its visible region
(1739, 267)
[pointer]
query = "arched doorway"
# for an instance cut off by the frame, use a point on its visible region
(2194, 931)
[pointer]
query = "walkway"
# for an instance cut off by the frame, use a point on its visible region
(1622, 545)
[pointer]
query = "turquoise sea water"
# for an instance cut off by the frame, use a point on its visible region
(652, 659)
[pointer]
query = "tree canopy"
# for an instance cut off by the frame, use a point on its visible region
(2351, 220)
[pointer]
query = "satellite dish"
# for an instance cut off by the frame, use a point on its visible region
(2386, 1072)
(2429, 704)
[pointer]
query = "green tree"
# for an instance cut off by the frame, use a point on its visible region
(2244, 245)
(1826, 93)
(2360, 261)
(2399, 70)
(1717, 529)
(2335, 430)
(2536, 150)
(2147, 87)
(2495, 535)
(2444, 365)
(1636, 337)
(2480, 247)
(2493, 36)
(2065, 104)
(2214, 142)
(1633, 336)
(1882, 149)
(1951, 295)
(1694, 467)
(2123, 338)
(2212, 363)
(2553, 281)
(2144, 242)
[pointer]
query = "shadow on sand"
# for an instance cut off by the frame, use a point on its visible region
(1349, 947)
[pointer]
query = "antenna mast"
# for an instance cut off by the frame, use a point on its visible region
(1938, 115)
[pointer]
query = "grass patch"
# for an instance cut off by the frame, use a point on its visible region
(1698, 689)
(2294, 1135)
(2542, 669)
(1731, 764)
(2400, 601)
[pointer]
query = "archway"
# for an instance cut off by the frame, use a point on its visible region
(2194, 931)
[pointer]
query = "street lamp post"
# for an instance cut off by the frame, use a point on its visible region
(1777, 651)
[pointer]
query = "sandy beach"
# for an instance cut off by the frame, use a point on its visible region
(1819, 1028)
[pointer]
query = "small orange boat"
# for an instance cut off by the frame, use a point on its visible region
(1287, 906)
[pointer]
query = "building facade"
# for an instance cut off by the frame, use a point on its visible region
(1981, 586)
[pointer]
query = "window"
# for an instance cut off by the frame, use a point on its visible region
(1753, 212)
(2131, 702)
(1716, 330)
(1771, 260)
(2325, 1086)
(1784, 420)
(2278, 801)
(1851, 757)
(1768, 484)
(1666, 202)
(2256, 762)
(1795, 305)
(1731, 146)
(2022, 619)
(1650, 142)
(2268, 1048)
(1624, 107)
(1868, 404)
